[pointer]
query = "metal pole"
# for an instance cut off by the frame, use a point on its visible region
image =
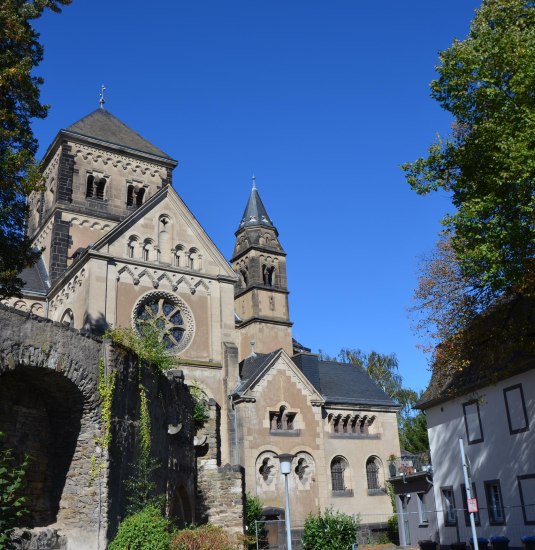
(256, 532)
(468, 485)
(288, 528)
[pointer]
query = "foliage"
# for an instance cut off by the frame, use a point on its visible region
(487, 164)
(329, 531)
(206, 537)
(106, 389)
(146, 530)
(393, 529)
(146, 342)
(20, 53)
(11, 502)
(200, 412)
(141, 490)
(413, 437)
(253, 514)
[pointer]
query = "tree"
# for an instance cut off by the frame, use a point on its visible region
(413, 437)
(488, 163)
(20, 53)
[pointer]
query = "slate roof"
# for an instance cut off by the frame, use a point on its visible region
(337, 383)
(498, 345)
(255, 213)
(35, 278)
(342, 382)
(104, 126)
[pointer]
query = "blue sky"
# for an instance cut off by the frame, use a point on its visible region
(322, 101)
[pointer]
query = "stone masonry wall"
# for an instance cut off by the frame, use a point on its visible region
(220, 490)
(50, 407)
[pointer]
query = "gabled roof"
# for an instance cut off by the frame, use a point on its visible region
(342, 383)
(255, 367)
(255, 213)
(104, 126)
(498, 344)
(336, 383)
(167, 193)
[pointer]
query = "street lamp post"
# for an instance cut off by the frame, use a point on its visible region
(286, 468)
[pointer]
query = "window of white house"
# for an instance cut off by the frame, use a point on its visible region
(526, 488)
(465, 505)
(422, 511)
(448, 505)
(517, 416)
(494, 502)
(472, 422)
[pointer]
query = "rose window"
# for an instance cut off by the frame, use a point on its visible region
(169, 315)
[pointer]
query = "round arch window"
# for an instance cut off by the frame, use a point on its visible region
(170, 315)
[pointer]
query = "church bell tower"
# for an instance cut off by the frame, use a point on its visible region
(261, 296)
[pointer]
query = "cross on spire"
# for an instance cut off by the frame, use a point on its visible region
(254, 181)
(101, 100)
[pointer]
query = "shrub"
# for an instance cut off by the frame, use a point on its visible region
(206, 537)
(253, 513)
(329, 531)
(146, 530)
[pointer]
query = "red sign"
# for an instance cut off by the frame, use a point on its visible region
(472, 505)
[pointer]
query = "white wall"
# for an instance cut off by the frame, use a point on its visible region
(501, 455)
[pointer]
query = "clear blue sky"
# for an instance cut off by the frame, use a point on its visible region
(321, 100)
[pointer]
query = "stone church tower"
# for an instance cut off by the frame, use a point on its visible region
(261, 298)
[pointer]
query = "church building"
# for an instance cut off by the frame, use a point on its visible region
(120, 245)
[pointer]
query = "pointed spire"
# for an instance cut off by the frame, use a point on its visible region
(255, 212)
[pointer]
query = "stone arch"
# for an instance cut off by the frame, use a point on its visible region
(304, 468)
(41, 414)
(267, 468)
(67, 318)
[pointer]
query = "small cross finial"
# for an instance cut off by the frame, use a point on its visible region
(254, 181)
(101, 100)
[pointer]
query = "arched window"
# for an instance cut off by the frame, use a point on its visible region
(140, 196)
(101, 184)
(179, 256)
(131, 247)
(147, 247)
(89, 185)
(338, 473)
(130, 195)
(372, 474)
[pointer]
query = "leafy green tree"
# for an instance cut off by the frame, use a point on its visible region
(487, 164)
(329, 531)
(11, 502)
(413, 435)
(20, 53)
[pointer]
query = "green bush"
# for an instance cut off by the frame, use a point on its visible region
(253, 513)
(146, 530)
(329, 531)
(206, 537)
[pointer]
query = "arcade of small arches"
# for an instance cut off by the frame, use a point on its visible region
(355, 424)
(149, 251)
